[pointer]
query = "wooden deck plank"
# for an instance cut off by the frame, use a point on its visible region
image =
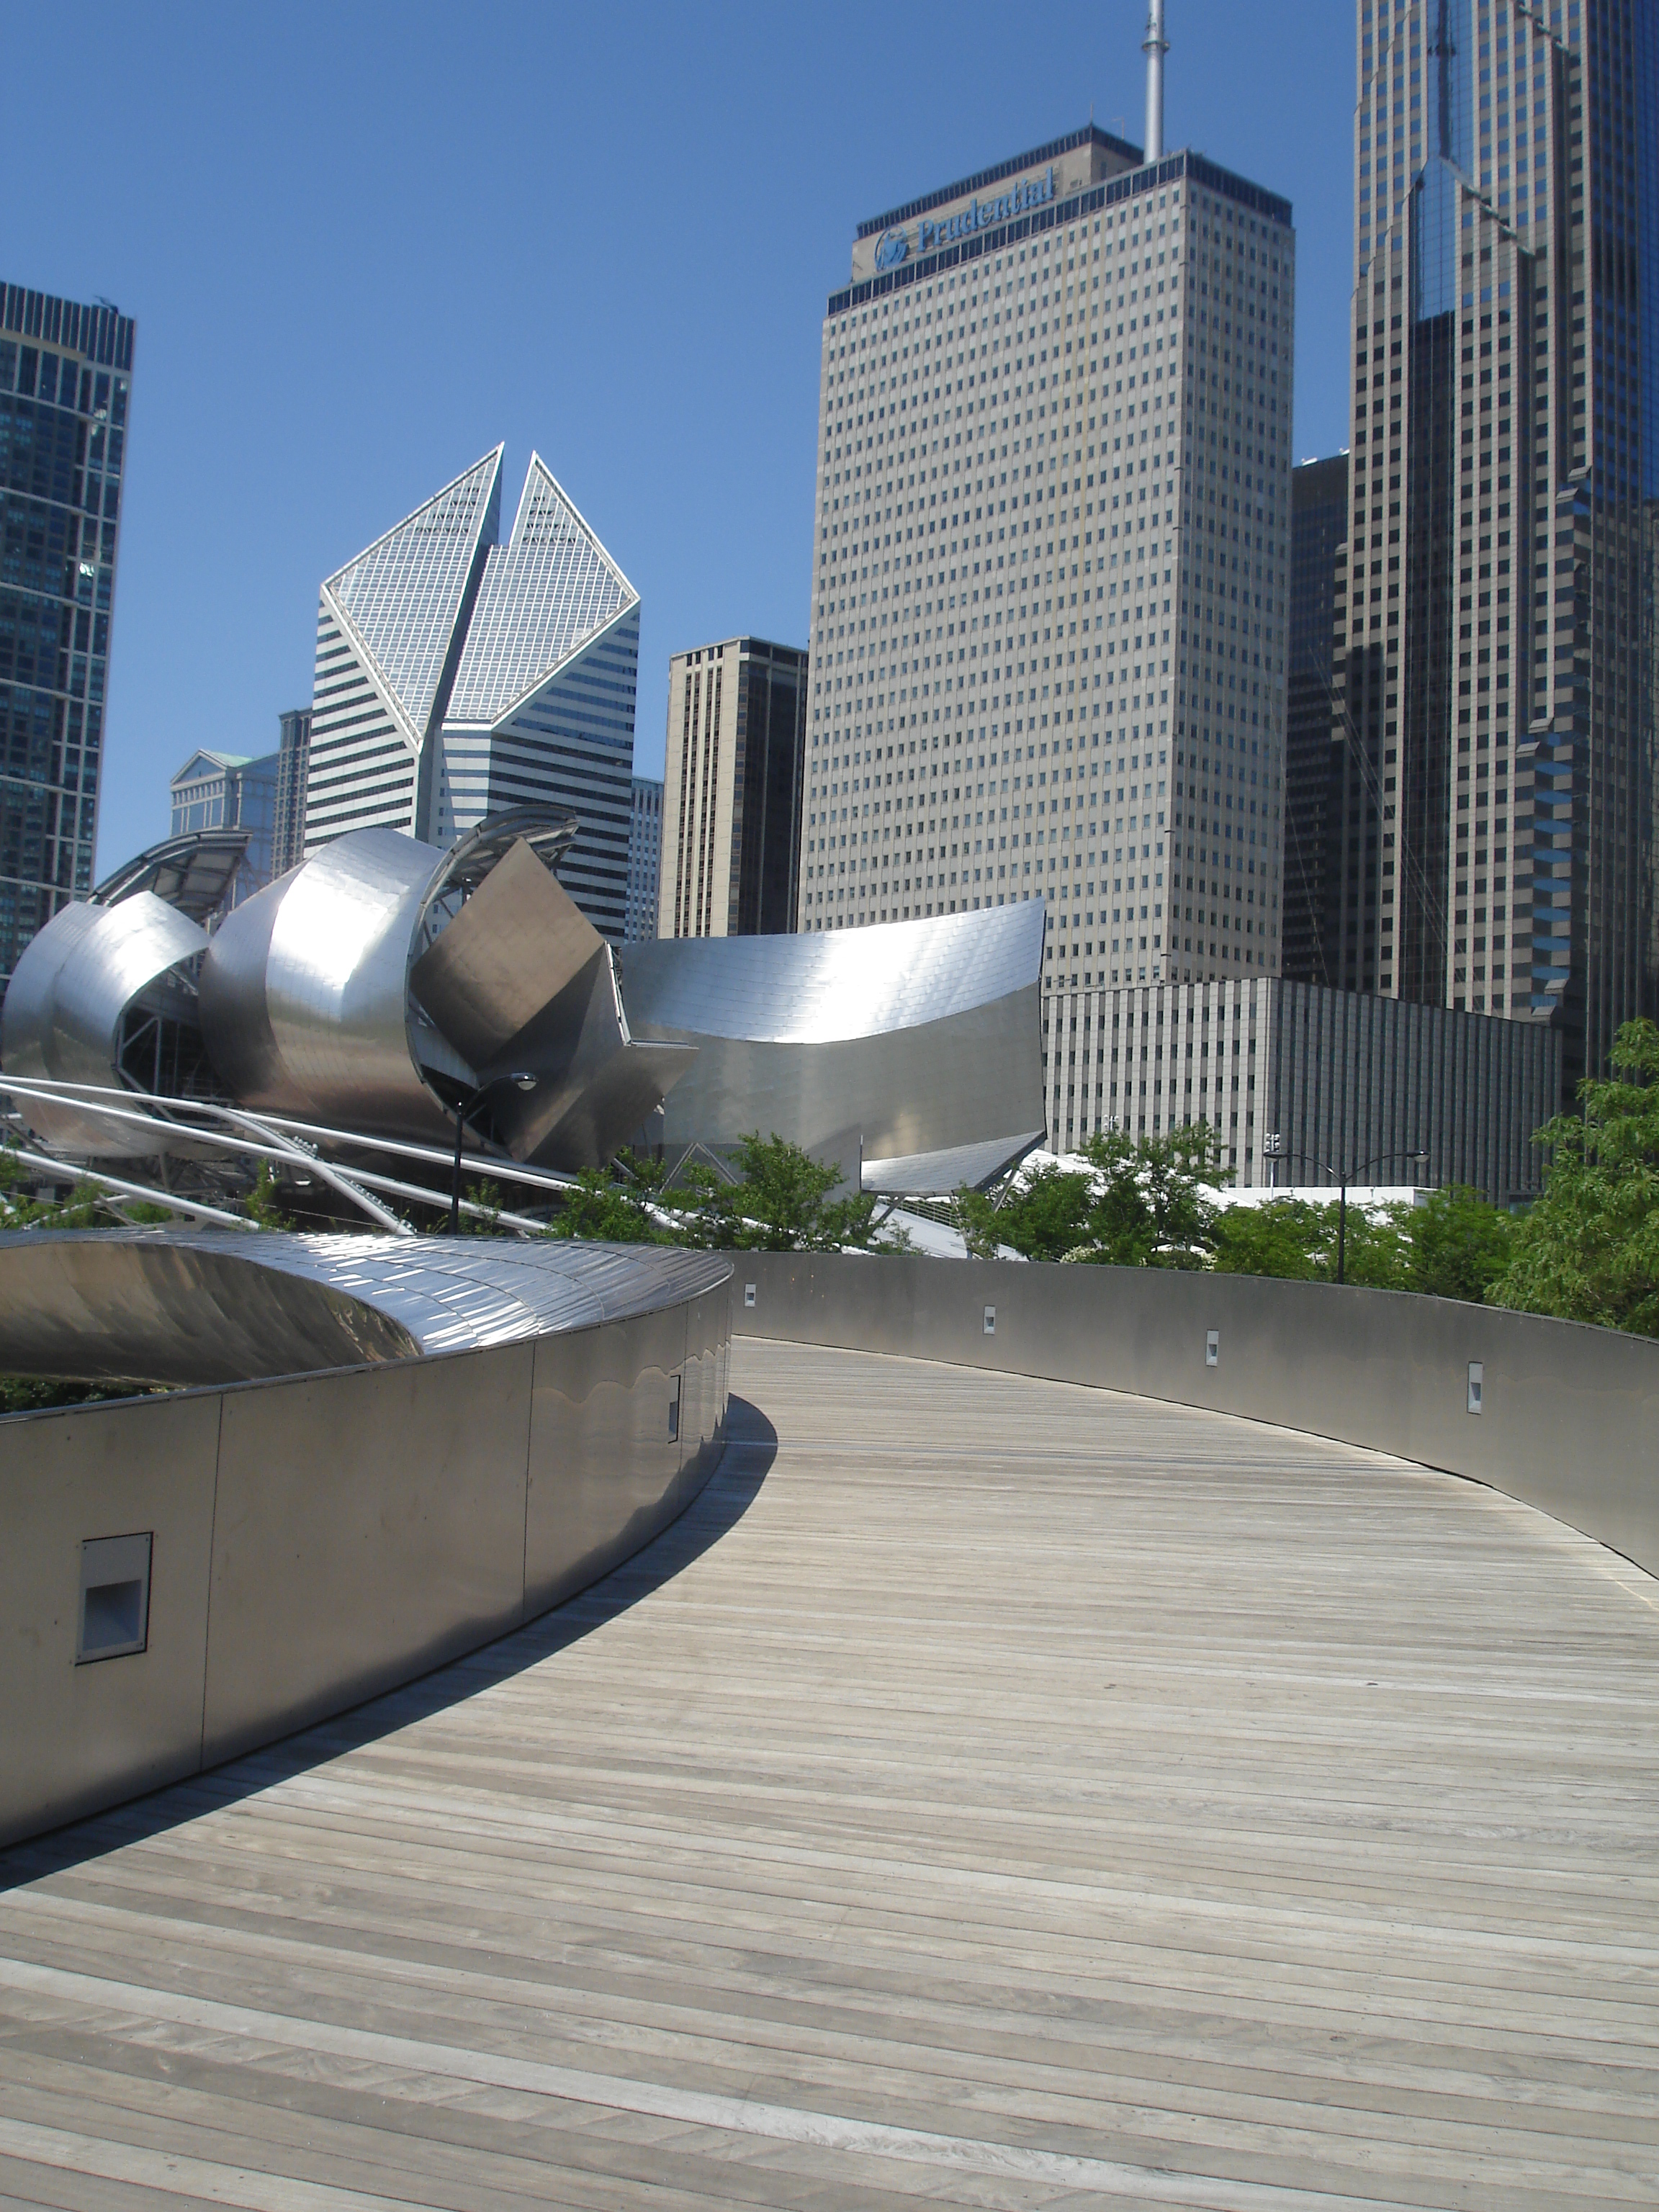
(1025, 1796)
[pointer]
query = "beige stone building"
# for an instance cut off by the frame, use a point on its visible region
(1050, 567)
(731, 790)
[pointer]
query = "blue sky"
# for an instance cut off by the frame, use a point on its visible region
(363, 243)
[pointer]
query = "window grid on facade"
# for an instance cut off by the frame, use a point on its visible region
(1049, 568)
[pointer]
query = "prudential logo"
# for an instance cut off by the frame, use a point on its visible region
(892, 250)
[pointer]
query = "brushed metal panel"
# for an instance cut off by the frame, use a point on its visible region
(604, 1474)
(512, 948)
(333, 998)
(76, 1738)
(236, 1018)
(915, 1038)
(62, 1016)
(104, 1308)
(369, 1526)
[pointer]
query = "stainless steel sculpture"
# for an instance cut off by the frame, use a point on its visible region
(913, 1048)
(198, 1307)
(79, 990)
(385, 986)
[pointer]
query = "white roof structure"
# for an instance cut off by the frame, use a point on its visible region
(398, 603)
(546, 595)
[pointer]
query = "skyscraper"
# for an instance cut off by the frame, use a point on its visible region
(456, 677)
(230, 791)
(1049, 580)
(1313, 760)
(66, 388)
(293, 760)
(731, 790)
(1499, 708)
(644, 857)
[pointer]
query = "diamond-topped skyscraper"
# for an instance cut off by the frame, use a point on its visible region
(456, 677)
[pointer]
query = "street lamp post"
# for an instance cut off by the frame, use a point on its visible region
(521, 1080)
(1344, 1176)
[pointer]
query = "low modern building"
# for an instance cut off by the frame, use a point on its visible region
(731, 790)
(644, 857)
(292, 759)
(230, 791)
(456, 677)
(1345, 1082)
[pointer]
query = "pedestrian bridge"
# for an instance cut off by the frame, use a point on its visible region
(990, 1792)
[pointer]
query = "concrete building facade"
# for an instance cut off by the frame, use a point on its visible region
(1049, 570)
(1343, 1081)
(732, 783)
(230, 791)
(644, 858)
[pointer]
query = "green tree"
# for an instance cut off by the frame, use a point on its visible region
(1044, 1216)
(1287, 1237)
(1589, 1250)
(260, 1205)
(610, 1204)
(1140, 1204)
(781, 1203)
(1151, 1207)
(1457, 1244)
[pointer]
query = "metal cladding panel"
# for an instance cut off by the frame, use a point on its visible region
(235, 1020)
(104, 1307)
(333, 995)
(509, 952)
(204, 1306)
(914, 1039)
(923, 1175)
(815, 987)
(63, 1008)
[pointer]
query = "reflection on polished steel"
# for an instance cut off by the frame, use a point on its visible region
(305, 990)
(82, 991)
(201, 1306)
(384, 986)
(915, 1047)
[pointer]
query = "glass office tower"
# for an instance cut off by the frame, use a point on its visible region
(1498, 715)
(65, 387)
(1313, 763)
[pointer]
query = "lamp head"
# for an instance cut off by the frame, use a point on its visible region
(522, 1079)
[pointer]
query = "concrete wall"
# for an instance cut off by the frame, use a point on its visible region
(319, 1539)
(1569, 1415)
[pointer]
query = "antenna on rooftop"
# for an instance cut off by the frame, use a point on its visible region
(1155, 45)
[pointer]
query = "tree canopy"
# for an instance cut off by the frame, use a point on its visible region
(1589, 1250)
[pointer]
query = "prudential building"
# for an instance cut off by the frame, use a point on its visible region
(1050, 569)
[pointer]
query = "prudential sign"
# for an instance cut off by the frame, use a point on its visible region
(897, 246)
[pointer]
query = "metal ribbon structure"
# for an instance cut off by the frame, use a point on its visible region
(384, 987)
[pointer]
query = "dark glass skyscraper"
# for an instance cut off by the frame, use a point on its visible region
(1496, 845)
(65, 381)
(1313, 760)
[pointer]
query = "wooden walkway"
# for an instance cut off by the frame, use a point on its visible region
(995, 1795)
